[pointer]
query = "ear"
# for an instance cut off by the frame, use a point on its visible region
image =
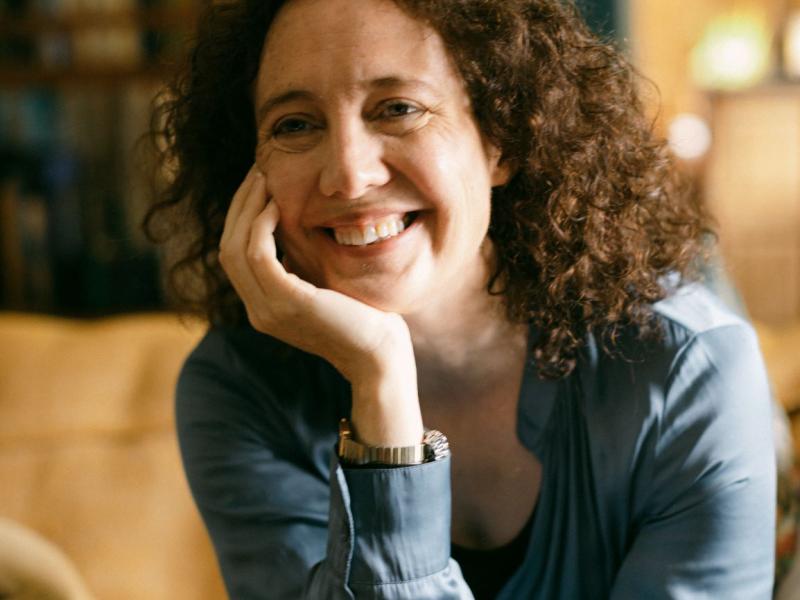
(501, 174)
(500, 170)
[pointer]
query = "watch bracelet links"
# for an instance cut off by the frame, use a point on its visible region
(434, 447)
(358, 454)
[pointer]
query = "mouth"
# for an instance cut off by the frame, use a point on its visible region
(374, 232)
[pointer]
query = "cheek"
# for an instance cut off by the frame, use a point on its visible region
(455, 178)
(289, 187)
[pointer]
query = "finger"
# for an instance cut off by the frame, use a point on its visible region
(241, 194)
(292, 269)
(247, 287)
(261, 252)
(261, 245)
(253, 294)
(235, 244)
(239, 200)
(272, 292)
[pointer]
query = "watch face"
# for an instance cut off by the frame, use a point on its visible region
(436, 445)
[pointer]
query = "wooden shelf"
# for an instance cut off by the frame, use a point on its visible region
(73, 28)
(104, 75)
(143, 18)
(770, 87)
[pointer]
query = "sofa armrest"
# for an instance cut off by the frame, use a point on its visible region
(33, 568)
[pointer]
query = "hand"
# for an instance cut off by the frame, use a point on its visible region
(369, 347)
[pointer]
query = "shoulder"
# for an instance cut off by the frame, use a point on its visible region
(691, 408)
(716, 402)
(705, 339)
(693, 310)
(714, 360)
(698, 337)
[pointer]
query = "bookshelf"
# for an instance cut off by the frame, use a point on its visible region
(77, 78)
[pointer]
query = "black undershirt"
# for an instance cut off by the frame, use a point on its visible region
(486, 571)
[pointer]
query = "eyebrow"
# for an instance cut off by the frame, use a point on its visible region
(293, 95)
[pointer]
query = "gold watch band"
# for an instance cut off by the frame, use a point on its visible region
(352, 452)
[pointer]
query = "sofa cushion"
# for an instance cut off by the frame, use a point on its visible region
(88, 454)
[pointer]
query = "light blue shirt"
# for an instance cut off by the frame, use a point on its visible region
(658, 475)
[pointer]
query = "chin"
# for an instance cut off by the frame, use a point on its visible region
(386, 298)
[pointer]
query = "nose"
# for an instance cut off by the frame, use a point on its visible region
(354, 161)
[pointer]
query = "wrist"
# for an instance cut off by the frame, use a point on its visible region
(389, 354)
(432, 447)
(386, 412)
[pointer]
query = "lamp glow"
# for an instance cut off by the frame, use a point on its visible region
(791, 45)
(733, 52)
(689, 136)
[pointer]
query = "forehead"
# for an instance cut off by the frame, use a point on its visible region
(339, 44)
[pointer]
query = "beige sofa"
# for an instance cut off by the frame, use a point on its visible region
(89, 461)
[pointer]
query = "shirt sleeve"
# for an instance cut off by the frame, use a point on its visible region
(281, 529)
(706, 524)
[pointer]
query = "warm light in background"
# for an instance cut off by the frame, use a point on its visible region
(791, 46)
(734, 52)
(689, 136)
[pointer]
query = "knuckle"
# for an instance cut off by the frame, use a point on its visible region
(256, 254)
(225, 253)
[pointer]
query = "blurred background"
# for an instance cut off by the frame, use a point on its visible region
(77, 78)
(76, 81)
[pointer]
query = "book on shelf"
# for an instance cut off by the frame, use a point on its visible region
(93, 36)
(12, 274)
(27, 277)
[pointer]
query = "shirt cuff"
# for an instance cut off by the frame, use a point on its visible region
(389, 525)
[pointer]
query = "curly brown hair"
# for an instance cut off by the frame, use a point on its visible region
(594, 219)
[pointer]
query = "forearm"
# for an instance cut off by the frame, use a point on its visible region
(385, 410)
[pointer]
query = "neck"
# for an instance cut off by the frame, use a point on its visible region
(463, 341)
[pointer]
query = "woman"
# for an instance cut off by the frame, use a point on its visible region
(453, 213)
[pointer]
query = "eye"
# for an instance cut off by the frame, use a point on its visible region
(397, 109)
(295, 133)
(291, 126)
(398, 117)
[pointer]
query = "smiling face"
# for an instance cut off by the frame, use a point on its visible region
(372, 153)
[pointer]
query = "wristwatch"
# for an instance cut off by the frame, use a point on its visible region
(434, 447)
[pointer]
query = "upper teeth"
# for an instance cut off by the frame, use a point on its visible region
(369, 233)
